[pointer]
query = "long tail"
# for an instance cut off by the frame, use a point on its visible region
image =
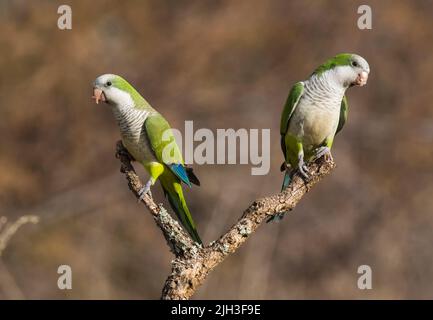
(286, 181)
(173, 191)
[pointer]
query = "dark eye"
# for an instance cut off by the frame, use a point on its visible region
(108, 83)
(355, 64)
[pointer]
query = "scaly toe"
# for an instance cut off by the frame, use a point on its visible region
(304, 171)
(322, 151)
(141, 193)
(145, 189)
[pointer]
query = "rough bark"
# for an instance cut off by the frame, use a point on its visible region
(192, 262)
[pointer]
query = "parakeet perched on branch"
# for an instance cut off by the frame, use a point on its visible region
(148, 138)
(316, 110)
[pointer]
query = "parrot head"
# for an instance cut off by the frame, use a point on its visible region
(347, 69)
(115, 90)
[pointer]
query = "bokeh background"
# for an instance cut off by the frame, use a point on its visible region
(223, 64)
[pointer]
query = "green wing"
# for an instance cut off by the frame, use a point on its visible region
(344, 110)
(162, 140)
(291, 103)
(165, 148)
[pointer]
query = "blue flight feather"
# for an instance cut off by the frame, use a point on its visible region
(179, 170)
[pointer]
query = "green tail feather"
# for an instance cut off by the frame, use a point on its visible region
(286, 181)
(182, 212)
(173, 191)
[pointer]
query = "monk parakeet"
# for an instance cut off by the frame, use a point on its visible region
(316, 110)
(148, 138)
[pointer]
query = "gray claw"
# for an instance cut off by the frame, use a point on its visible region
(322, 151)
(304, 171)
(303, 167)
(145, 189)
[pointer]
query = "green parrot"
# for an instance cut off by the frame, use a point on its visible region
(316, 110)
(148, 138)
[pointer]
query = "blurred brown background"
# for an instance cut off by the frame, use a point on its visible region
(223, 64)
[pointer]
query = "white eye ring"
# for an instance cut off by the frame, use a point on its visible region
(108, 83)
(355, 64)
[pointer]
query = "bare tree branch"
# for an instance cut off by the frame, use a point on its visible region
(8, 230)
(8, 285)
(193, 262)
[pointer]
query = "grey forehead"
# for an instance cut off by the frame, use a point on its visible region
(361, 61)
(103, 78)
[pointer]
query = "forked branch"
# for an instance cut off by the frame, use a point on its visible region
(193, 262)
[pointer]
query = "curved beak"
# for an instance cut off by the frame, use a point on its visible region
(98, 95)
(362, 78)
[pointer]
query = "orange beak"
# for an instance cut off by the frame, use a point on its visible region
(98, 95)
(362, 78)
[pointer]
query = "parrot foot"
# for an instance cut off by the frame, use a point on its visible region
(322, 151)
(302, 167)
(145, 190)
